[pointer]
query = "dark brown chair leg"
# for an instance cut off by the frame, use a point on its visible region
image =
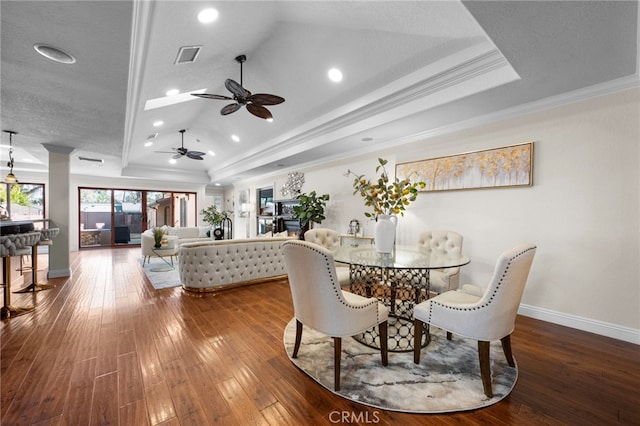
(382, 328)
(485, 367)
(506, 347)
(296, 345)
(417, 340)
(449, 335)
(337, 351)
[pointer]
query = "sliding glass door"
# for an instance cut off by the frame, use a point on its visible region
(112, 217)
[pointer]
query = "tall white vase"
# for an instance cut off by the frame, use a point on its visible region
(384, 233)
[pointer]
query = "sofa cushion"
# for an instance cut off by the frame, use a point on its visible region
(185, 232)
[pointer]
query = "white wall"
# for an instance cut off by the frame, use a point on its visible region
(582, 211)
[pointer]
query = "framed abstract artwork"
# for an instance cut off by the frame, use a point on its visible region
(491, 168)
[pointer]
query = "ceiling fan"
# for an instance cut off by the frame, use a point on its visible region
(182, 151)
(254, 102)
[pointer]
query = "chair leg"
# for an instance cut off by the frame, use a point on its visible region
(296, 345)
(382, 328)
(485, 367)
(337, 352)
(506, 347)
(417, 340)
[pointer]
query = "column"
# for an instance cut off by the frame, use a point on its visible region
(59, 202)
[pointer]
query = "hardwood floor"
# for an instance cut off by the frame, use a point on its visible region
(104, 347)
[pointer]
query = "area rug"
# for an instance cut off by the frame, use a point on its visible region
(446, 380)
(160, 274)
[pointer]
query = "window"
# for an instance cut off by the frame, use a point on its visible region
(24, 202)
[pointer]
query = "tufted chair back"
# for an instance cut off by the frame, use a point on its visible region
(320, 303)
(325, 237)
(15, 244)
(489, 316)
(329, 239)
(448, 242)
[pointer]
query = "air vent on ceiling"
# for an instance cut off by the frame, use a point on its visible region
(93, 160)
(187, 54)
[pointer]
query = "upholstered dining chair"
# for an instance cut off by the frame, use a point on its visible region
(448, 242)
(329, 239)
(490, 316)
(320, 303)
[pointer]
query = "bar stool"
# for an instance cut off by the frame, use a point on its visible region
(46, 239)
(14, 245)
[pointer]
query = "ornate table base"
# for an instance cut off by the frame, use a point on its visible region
(400, 290)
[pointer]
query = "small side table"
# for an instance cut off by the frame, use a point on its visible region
(354, 240)
(162, 253)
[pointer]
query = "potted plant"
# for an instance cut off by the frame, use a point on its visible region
(158, 234)
(387, 199)
(310, 210)
(213, 216)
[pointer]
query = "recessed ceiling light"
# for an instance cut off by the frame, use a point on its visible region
(217, 184)
(148, 144)
(172, 92)
(207, 16)
(55, 54)
(270, 120)
(172, 161)
(235, 138)
(211, 153)
(335, 75)
(158, 123)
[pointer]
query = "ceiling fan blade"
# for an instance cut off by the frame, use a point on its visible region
(259, 111)
(265, 99)
(229, 109)
(175, 157)
(212, 96)
(165, 152)
(193, 155)
(236, 89)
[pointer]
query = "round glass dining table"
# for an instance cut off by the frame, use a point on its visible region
(400, 280)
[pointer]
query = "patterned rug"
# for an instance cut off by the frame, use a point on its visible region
(446, 380)
(160, 274)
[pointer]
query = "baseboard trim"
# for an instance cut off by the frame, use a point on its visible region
(59, 273)
(585, 324)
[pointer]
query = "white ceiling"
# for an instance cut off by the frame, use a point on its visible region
(409, 67)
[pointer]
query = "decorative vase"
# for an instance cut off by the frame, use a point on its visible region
(384, 233)
(157, 245)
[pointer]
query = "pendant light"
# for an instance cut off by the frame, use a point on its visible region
(11, 178)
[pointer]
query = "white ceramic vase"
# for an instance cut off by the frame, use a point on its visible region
(384, 233)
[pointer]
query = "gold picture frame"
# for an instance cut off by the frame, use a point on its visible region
(502, 167)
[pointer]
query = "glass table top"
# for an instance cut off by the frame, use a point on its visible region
(401, 258)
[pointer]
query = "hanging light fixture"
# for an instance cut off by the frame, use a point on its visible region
(11, 178)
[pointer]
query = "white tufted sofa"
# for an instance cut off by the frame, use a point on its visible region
(449, 242)
(184, 234)
(215, 265)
